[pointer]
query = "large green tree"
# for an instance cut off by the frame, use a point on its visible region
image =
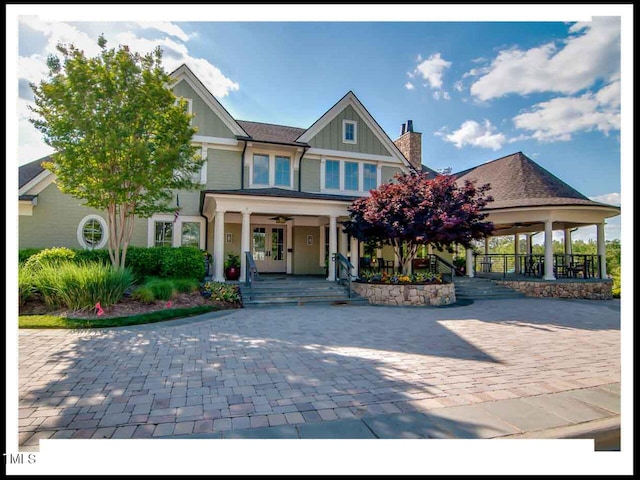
(122, 141)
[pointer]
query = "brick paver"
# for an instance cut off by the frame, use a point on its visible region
(268, 367)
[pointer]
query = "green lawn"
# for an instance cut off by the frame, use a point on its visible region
(51, 321)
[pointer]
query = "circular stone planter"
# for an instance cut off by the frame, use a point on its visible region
(407, 294)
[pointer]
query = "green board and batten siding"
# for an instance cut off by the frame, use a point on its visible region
(223, 169)
(310, 175)
(330, 137)
(205, 120)
(389, 172)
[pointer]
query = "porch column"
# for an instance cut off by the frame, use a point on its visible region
(289, 247)
(218, 247)
(567, 241)
(548, 251)
(469, 254)
(355, 256)
(245, 243)
(529, 243)
(333, 247)
(323, 240)
(486, 245)
(516, 251)
(602, 251)
(344, 242)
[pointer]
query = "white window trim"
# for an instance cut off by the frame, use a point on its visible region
(355, 131)
(105, 231)
(177, 228)
(272, 171)
(204, 154)
(360, 190)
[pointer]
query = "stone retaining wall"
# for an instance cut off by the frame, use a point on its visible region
(590, 290)
(382, 294)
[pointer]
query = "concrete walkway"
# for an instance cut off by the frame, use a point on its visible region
(490, 369)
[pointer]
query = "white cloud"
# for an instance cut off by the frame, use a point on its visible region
(409, 86)
(559, 118)
(432, 69)
(169, 36)
(609, 198)
(30, 144)
(590, 53)
(474, 134)
(166, 27)
(441, 94)
(458, 86)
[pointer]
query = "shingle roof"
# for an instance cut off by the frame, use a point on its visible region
(518, 181)
(281, 192)
(31, 170)
(268, 132)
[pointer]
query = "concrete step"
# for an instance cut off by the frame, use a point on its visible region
(299, 301)
(480, 288)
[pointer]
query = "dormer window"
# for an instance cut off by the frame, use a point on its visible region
(349, 131)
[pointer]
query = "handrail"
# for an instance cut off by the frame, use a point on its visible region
(251, 272)
(343, 265)
(450, 266)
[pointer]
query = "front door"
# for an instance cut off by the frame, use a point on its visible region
(267, 248)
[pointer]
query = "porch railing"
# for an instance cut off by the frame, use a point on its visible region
(343, 271)
(251, 273)
(532, 265)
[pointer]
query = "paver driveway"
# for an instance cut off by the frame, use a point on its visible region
(265, 367)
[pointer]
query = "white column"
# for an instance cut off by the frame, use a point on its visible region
(289, 247)
(548, 251)
(245, 243)
(567, 241)
(469, 254)
(344, 242)
(322, 241)
(333, 247)
(355, 256)
(218, 247)
(516, 251)
(486, 245)
(602, 251)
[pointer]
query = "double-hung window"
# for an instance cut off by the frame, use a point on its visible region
(332, 174)
(260, 169)
(369, 177)
(163, 234)
(350, 176)
(283, 171)
(349, 131)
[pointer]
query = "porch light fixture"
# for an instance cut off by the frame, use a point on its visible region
(281, 219)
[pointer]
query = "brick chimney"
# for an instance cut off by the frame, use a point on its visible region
(410, 144)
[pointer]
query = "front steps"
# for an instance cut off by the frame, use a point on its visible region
(281, 290)
(482, 289)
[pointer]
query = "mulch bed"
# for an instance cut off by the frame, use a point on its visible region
(125, 308)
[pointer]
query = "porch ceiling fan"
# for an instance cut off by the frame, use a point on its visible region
(281, 219)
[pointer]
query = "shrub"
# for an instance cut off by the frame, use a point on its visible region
(52, 256)
(144, 294)
(26, 287)
(99, 256)
(186, 285)
(81, 286)
(615, 287)
(182, 262)
(421, 278)
(221, 292)
(25, 253)
(144, 262)
(162, 288)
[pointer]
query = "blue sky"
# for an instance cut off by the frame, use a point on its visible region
(476, 90)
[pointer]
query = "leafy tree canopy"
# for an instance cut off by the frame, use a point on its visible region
(416, 210)
(122, 140)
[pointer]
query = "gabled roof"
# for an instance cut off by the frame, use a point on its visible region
(184, 73)
(351, 99)
(31, 170)
(518, 181)
(270, 133)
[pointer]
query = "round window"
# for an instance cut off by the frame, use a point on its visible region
(92, 232)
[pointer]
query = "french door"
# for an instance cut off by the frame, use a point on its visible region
(268, 248)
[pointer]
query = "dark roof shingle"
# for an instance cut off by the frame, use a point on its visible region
(518, 181)
(31, 170)
(268, 132)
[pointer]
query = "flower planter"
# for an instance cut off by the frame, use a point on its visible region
(232, 273)
(407, 294)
